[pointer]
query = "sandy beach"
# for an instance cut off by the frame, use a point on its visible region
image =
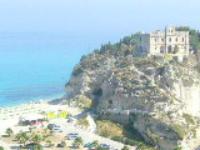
(9, 117)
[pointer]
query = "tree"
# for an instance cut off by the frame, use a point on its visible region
(78, 142)
(125, 148)
(37, 138)
(49, 143)
(95, 143)
(178, 148)
(22, 138)
(101, 148)
(1, 148)
(9, 131)
(62, 144)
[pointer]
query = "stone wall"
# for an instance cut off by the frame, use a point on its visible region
(120, 117)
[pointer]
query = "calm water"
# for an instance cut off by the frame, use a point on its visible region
(35, 66)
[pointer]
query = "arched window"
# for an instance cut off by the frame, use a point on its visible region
(162, 49)
(170, 39)
(176, 49)
(183, 39)
(169, 49)
(110, 102)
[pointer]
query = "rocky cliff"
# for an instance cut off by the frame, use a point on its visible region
(157, 96)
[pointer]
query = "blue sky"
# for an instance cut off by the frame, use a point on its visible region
(83, 17)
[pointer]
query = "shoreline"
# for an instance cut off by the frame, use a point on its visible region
(34, 101)
(11, 115)
(37, 106)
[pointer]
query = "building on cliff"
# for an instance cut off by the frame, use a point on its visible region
(172, 42)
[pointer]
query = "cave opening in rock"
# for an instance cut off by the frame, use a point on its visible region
(110, 102)
(98, 92)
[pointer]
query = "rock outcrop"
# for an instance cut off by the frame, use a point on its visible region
(158, 97)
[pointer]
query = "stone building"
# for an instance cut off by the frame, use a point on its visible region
(170, 41)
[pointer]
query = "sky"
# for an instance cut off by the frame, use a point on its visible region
(98, 17)
(42, 40)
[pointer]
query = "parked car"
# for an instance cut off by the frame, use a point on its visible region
(57, 130)
(72, 136)
(52, 126)
(90, 146)
(62, 144)
(71, 120)
(105, 146)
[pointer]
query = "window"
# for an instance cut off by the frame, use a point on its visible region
(170, 39)
(110, 102)
(162, 49)
(183, 39)
(169, 49)
(176, 49)
(176, 39)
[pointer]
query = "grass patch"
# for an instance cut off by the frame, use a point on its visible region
(83, 102)
(126, 135)
(189, 119)
(179, 130)
(109, 129)
(83, 122)
(1, 148)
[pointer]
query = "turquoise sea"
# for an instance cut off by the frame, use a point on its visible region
(36, 66)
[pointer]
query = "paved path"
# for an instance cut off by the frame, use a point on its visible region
(88, 136)
(92, 124)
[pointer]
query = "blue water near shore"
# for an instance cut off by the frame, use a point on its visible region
(36, 66)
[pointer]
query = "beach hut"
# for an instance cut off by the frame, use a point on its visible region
(32, 119)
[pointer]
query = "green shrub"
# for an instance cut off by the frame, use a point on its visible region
(125, 148)
(178, 148)
(188, 118)
(179, 130)
(83, 122)
(1, 148)
(140, 145)
(109, 129)
(78, 142)
(83, 102)
(78, 70)
(49, 143)
(9, 131)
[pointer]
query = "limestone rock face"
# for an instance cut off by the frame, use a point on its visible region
(159, 98)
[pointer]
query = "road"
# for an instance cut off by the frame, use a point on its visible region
(86, 135)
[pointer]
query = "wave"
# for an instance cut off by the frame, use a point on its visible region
(10, 97)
